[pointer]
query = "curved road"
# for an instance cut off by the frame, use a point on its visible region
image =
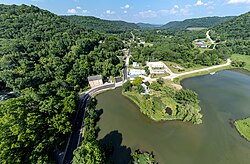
(74, 139)
(212, 42)
(174, 75)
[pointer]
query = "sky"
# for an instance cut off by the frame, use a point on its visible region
(146, 11)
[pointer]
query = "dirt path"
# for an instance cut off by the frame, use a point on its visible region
(212, 42)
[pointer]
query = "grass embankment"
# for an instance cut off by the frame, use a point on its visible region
(243, 127)
(179, 79)
(244, 58)
(165, 102)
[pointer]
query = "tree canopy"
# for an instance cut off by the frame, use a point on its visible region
(45, 60)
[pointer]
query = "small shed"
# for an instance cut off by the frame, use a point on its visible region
(95, 80)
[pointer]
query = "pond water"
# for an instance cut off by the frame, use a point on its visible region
(224, 97)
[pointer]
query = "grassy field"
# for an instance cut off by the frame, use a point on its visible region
(245, 58)
(196, 28)
(243, 127)
(175, 70)
(159, 75)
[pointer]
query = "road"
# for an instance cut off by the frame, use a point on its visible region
(125, 70)
(75, 137)
(173, 75)
(211, 41)
(133, 37)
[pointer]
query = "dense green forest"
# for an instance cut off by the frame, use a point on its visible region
(98, 24)
(46, 60)
(234, 34)
(148, 26)
(205, 22)
(176, 48)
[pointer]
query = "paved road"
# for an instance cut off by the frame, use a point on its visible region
(173, 75)
(125, 70)
(75, 136)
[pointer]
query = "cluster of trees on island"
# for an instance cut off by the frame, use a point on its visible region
(164, 102)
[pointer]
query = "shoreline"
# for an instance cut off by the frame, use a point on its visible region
(242, 135)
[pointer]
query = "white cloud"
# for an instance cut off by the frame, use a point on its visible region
(71, 11)
(78, 7)
(180, 11)
(126, 6)
(238, 1)
(200, 3)
(110, 12)
(148, 14)
(125, 11)
(176, 6)
(84, 11)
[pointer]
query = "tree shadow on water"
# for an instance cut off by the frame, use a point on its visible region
(120, 154)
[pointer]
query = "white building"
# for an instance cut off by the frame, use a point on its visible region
(133, 73)
(135, 64)
(137, 72)
(156, 67)
(155, 64)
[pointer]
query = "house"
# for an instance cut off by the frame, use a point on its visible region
(135, 64)
(137, 72)
(133, 73)
(132, 77)
(155, 64)
(156, 67)
(157, 71)
(201, 44)
(95, 80)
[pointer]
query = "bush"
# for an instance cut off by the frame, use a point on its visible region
(137, 81)
(155, 86)
(127, 86)
(140, 88)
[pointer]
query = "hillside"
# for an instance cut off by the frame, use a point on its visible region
(93, 23)
(46, 61)
(234, 34)
(148, 25)
(237, 28)
(205, 22)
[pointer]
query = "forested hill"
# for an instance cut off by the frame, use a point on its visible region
(46, 60)
(234, 34)
(93, 23)
(205, 22)
(148, 25)
(237, 28)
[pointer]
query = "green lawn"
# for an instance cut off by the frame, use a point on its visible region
(243, 126)
(175, 70)
(245, 58)
(159, 75)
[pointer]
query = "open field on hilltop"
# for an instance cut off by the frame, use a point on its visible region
(196, 28)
